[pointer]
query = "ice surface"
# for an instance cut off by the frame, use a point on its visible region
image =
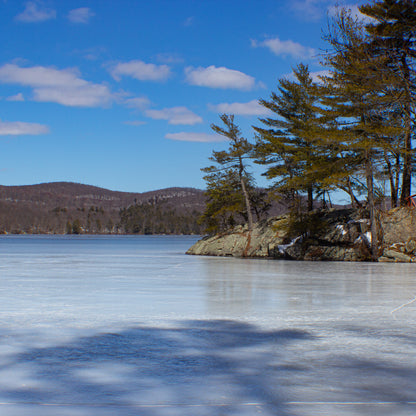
(97, 326)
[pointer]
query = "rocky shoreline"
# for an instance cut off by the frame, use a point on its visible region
(333, 235)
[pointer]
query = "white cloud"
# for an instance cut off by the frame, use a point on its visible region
(88, 95)
(221, 77)
(35, 12)
(195, 137)
(17, 97)
(20, 128)
(286, 48)
(138, 103)
(140, 70)
(59, 86)
(175, 115)
(81, 15)
(252, 108)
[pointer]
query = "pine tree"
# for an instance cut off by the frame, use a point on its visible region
(392, 33)
(225, 206)
(228, 181)
(356, 99)
(288, 145)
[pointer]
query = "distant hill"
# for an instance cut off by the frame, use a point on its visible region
(63, 207)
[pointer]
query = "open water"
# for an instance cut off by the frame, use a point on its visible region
(94, 326)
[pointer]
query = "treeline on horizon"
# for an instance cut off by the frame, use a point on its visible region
(350, 129)
(144, 218)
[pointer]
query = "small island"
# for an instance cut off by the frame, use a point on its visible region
(346, 131)
(334, 235)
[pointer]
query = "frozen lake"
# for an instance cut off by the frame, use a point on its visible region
(100, 326)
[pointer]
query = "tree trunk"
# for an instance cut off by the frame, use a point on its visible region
(348, 189)
(407, 162)
(393, 191)
(247, 202)
(407, 167)
(397, 179)
(245, 194)
(371, 207)
(310, 198)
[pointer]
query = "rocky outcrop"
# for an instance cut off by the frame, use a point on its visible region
(400, 252)
(263, 241)
(398, 236)
(337, 235)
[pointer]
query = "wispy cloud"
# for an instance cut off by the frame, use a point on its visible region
(310, 9)
(140, 70)
(59, 86)
(175, 115)
(169, 58)
(17, 97)
(353, 9)
(285, 48)
(252, 108)
(189, 21)
(20, 128)
(81, 15)
(219, 77)
(138, 103)
(195, 137)
(35, 12)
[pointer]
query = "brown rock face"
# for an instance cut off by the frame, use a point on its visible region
(398, 225)
(263, 241)
(341, 235)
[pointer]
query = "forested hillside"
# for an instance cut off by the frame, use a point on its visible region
(62, 207)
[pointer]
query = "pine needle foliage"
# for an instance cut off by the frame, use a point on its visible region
(289, 144)
(231, 193)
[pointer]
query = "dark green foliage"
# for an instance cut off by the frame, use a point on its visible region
(366, 96)
(289, 145)
(76, 227)
(392, 41)
(306, 224)
(158, 218)
(225, 206)
(231, 194)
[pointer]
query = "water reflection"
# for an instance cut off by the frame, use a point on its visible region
(247, 286)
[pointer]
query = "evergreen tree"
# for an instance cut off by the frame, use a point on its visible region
(228, 182)
(225, 205)
(392, 39)
(356, 101)
(289, 145)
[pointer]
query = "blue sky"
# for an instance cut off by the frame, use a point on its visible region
(121, 93)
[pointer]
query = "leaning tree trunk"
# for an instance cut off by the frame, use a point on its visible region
(246, 197)
(247, 202)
